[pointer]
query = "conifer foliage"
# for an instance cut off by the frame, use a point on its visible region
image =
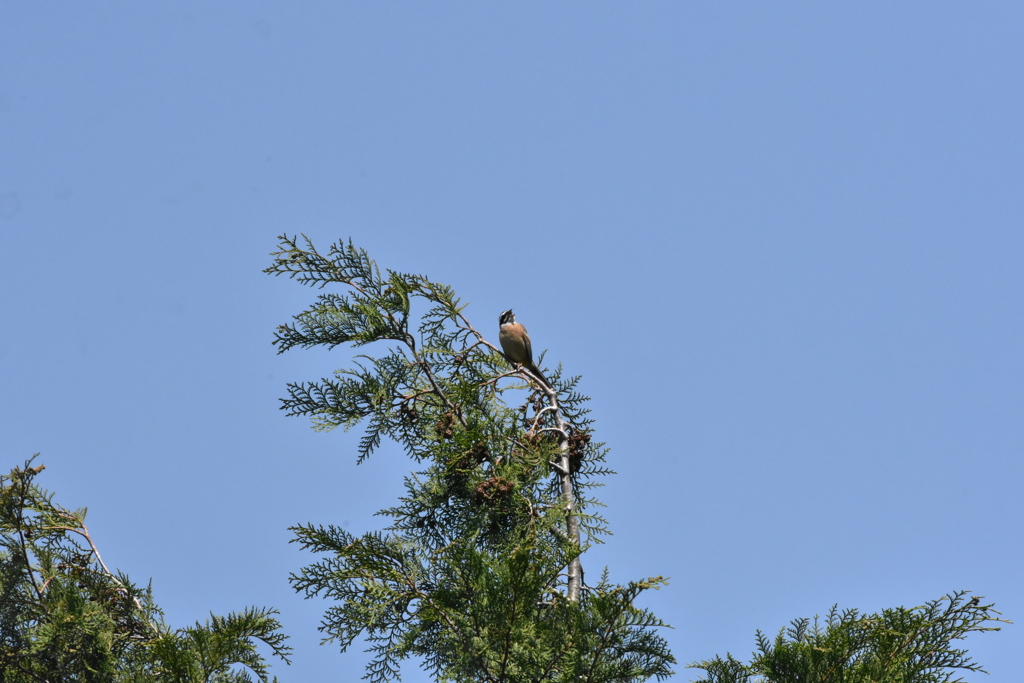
(478, 573)
(64, 616)
(898, 645)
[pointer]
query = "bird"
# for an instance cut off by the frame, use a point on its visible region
(515, 342)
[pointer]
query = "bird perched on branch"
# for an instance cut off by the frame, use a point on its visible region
(515, 342)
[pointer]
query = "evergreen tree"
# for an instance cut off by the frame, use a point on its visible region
(478, 572)
(64, 616)
(898, 645)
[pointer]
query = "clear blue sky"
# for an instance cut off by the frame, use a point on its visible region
(782, 242)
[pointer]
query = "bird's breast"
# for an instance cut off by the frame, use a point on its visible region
(513, 342)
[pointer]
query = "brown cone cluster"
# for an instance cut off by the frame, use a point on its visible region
(578, 442)
(494, 490)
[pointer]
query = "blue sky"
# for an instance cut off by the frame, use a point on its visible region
(782, 243)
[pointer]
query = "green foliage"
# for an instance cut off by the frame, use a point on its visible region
(65, 617)
(475, 573)
(211, 651)
(899, 645)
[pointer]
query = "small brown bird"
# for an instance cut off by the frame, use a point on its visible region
(515, 342)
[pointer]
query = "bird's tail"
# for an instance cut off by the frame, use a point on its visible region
(532, 367)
